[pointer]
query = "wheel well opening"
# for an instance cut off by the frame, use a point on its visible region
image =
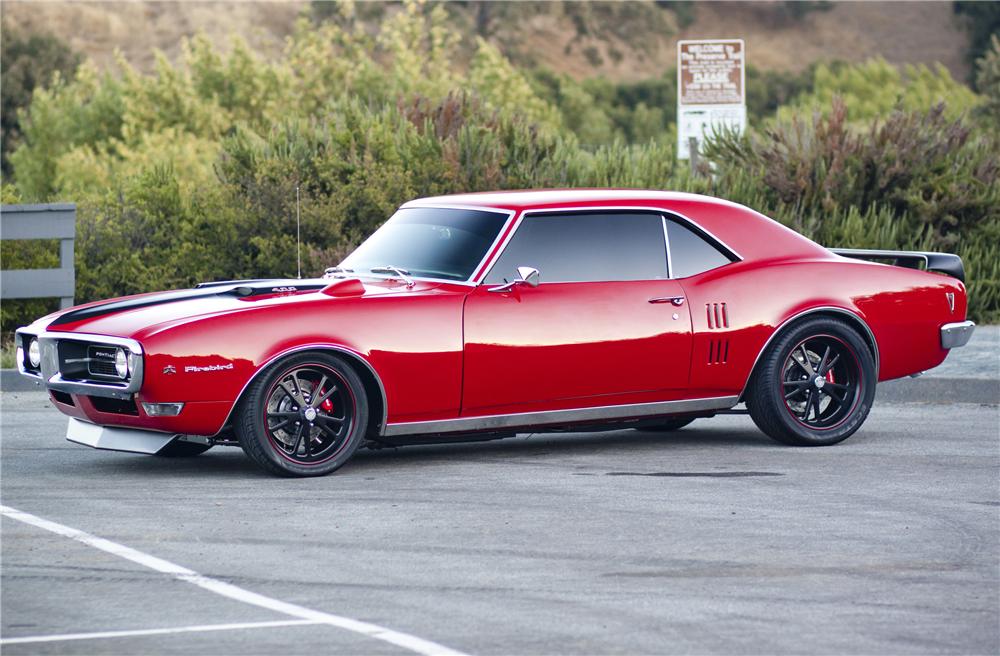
(373, 390)
(851, 319)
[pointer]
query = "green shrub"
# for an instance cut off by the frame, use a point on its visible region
(875, 88)
(916, 179)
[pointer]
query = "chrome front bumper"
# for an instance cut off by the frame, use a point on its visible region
(954, 335)
(117, 439)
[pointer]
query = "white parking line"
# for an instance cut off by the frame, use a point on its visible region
(404, 640)
(147, 632)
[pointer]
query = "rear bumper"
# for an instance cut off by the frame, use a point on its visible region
(954, 335)
(117, 439)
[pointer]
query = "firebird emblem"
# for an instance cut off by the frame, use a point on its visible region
(170, 369)
(951, 300)
(211, 367)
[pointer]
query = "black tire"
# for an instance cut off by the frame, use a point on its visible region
(178, 449)
(290, 429)
(668, 425)
(815, 384)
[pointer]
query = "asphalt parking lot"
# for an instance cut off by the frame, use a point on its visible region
(709, 540)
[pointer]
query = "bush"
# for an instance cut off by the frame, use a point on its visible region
(916, 179)
(875, 88)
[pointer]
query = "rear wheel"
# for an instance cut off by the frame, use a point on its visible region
(814, 385)
(306, 416)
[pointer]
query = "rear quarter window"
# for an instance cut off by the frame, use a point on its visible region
(691, 253)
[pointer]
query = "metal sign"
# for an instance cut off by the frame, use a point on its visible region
(711, 89)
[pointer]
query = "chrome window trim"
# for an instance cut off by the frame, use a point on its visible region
(314, 347)
(557, 417)
(471, 280)
(825, 308)
(663, 212)
(666, 244)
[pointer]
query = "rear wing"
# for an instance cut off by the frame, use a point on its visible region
(945, 263)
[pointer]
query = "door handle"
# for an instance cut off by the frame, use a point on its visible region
(676, 301)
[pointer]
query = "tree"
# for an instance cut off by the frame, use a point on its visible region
(28, 61)
(988, 81)
(982, 20)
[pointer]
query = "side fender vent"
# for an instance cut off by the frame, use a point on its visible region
(718, 351)
(717, 315)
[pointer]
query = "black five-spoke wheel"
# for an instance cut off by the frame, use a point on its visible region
(304, 417)
(814, 385)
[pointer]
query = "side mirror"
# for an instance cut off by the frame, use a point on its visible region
(525, 276)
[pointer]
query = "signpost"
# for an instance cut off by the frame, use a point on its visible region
(711, 90)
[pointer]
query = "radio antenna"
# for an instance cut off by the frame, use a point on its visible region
(298, 232)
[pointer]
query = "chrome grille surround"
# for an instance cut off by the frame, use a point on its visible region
(109, 385)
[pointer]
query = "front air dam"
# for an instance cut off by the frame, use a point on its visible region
(117, 439)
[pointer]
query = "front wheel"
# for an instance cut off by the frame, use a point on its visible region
(306, 416)
(814, 385)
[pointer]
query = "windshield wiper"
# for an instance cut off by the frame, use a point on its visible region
(400, 273)
(333, 272)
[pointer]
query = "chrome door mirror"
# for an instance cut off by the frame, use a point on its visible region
(525, 276)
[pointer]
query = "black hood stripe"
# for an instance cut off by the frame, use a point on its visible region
(238, 288)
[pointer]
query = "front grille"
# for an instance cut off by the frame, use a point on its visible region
(82, 361)
(101, 361)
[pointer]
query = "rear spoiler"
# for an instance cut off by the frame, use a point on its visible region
(945, 263)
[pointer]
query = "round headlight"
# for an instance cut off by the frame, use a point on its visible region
(34, 353)
(121, 363)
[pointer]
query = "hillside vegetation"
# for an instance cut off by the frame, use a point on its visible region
(189, 173)
(620, 41)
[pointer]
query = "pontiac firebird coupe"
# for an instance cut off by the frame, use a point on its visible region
(477, 316)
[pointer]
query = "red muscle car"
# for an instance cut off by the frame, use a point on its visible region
(477, 316)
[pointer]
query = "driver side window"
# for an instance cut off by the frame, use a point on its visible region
(586, 247)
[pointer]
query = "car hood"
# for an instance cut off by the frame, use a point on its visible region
(145, 314)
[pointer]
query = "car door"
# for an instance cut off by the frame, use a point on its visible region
(606, 325)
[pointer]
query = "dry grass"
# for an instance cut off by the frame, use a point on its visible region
(901, 32)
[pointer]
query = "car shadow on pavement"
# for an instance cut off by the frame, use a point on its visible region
(530, 449)
(230, 462)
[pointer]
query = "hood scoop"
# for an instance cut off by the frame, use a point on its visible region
(346, 287)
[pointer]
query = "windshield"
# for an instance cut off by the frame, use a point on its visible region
(429, 243)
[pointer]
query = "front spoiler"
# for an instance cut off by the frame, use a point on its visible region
(117, 439)
(954, 335)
